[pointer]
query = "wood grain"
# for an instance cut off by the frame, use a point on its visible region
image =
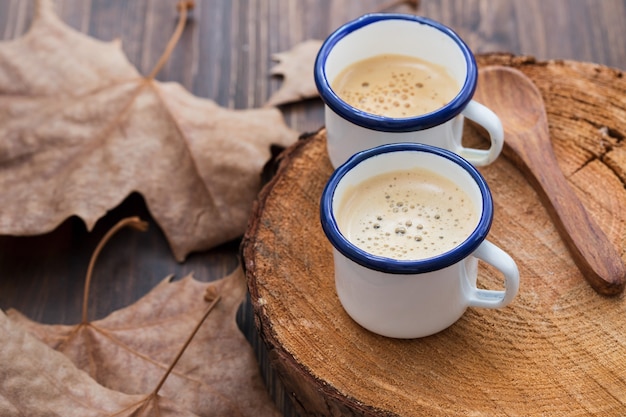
(556, 350)
(225, 54)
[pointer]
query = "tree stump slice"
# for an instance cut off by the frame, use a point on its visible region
(559, 349)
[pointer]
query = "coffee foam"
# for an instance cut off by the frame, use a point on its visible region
(395, 86)
(406, 215)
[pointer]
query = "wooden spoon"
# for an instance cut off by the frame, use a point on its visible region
(519, 104)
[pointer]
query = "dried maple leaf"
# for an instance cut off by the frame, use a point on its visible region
(38, 381)
(296, 68)
(133, 348)
(81, 129)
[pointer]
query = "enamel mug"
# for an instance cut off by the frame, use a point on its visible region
(415, 297)
(350, 130)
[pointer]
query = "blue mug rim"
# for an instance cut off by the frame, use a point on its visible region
(387, 124)
(394, 266)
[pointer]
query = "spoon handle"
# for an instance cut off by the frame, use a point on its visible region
(594, 254)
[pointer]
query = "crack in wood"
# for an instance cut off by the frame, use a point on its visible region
(610, 139)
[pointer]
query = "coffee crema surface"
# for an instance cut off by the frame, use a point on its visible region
(406, 215)
(395, 86)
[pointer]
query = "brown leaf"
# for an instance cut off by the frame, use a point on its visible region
(296, 67)
(130, 350)
(81, 129)
(38, 381)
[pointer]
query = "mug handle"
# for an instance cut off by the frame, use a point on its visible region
(501, 260)
(487, 119)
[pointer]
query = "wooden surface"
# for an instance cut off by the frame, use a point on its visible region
(225, 54)
(528, 144)
(558, 349)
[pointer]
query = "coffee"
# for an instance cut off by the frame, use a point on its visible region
(406, 215)
(396, 86)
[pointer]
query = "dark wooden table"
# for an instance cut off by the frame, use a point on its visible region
(225, 55)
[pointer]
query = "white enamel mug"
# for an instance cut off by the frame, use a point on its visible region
(350, 130)
(414, 298)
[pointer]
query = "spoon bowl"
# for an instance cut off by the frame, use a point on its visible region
(519, 104)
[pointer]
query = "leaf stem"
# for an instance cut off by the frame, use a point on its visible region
(135, 223)
(187, 342)
(183, 7)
